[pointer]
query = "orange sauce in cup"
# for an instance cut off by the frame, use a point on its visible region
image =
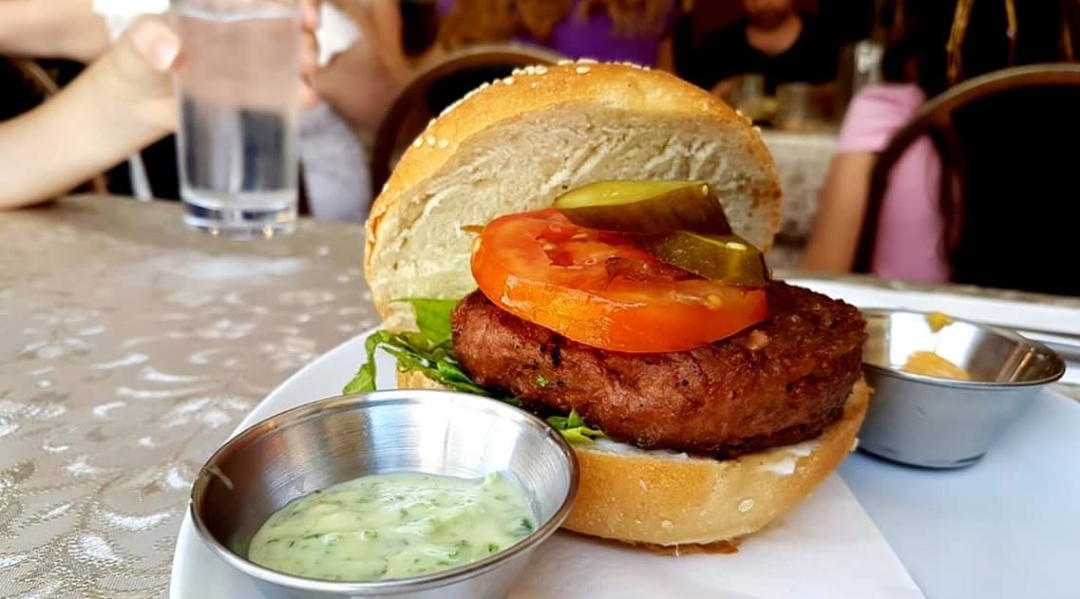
(928, 363)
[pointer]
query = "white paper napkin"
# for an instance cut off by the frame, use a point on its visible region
(826, 548)
(118, 14)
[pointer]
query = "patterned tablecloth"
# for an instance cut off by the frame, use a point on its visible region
(129, 348)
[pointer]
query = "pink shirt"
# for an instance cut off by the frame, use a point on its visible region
(908, 238)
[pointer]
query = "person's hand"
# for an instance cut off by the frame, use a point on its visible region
(358, 86)
(142, 62)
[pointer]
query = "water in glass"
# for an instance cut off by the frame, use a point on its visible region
(238, 90)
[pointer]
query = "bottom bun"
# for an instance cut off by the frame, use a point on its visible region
(666, 499)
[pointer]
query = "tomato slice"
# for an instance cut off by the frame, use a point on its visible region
(597, 288)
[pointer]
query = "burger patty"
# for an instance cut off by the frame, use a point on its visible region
(781, 382)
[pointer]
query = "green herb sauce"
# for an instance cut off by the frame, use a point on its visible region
(392, 526)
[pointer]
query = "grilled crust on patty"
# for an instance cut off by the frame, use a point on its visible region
(780, 382)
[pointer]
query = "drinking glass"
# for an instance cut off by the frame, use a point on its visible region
(799, 107)
(238, 92)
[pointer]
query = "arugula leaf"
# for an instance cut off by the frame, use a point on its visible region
(429, 351)
(433, 318)
(412, 355)
(574, 429)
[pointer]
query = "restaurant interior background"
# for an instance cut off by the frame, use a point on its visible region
(131, 347)
(802, 146)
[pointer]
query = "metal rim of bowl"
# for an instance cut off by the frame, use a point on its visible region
(400, 585)
(1057, 373)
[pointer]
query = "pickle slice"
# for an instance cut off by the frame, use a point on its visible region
(724, 258)
(645, 207)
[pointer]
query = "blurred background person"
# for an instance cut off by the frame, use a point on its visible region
(120, 103)
(362, 68)
(363, 65)
(603, 30)
(922, 236)
(334, 169)
(636, 31)
(774, 40)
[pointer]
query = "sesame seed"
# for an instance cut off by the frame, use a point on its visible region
(443, 143)
(430, 123)
(419, 141)
(746, 505)
(519, 72)
(534, 85)
(431, 140)
(508, 80)
(855, 444)
(540, 70)
(757, 130)
(387, 184)
(582, 70)
(740, 113)
(735, 245)
(666, 524)
(587, 61)
(564, 62)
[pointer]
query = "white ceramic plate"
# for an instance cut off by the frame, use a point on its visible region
(999, 529)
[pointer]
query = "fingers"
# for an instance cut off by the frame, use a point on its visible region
(156, 43)
(309, 15)
(309, 51)
(309, 55)
(308, 97)
(309, 64)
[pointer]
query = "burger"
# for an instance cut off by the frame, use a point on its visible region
(585, 241)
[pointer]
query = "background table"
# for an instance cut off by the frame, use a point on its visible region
(802, 160)
(129, 348)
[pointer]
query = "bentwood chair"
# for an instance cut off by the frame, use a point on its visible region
(1009, 146)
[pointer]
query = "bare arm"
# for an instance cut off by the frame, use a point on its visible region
(52, 29)
(386, 21)
(81, 132)
(842, 206)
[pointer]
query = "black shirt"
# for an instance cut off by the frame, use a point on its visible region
(726, 53)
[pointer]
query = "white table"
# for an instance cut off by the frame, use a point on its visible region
(803, 162)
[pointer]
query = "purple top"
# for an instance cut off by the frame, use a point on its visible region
(594, 38)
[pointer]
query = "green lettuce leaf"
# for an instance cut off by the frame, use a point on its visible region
(433, 318)
(429, 350)
(574, 429)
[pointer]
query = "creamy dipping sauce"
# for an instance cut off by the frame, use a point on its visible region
(390, 526)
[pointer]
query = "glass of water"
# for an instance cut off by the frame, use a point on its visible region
(238, 87)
